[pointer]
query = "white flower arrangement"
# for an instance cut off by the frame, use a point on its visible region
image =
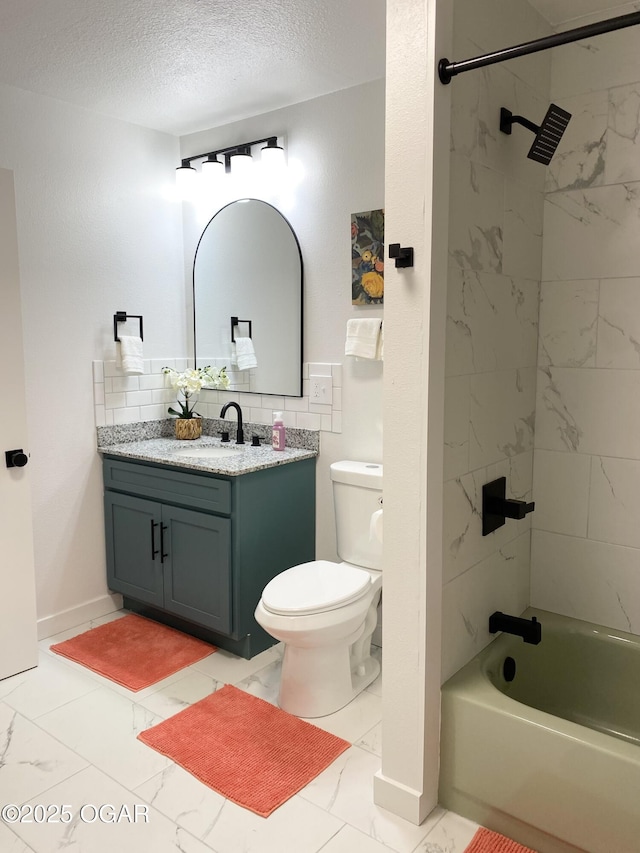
(191, 382)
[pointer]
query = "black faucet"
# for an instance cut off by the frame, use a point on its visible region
(496, 506)
(240, 433)
(529, 629)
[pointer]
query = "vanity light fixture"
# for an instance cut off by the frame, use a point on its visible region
(236, 159)
(272, 155)
(241, 161)
(212, 168)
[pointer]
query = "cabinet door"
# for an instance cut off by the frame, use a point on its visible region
(133, 547)
(197, 570)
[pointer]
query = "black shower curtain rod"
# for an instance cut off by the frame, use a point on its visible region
(447, 70)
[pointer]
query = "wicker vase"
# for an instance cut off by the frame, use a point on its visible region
(188, 428)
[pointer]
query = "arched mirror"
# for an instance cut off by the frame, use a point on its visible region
(247, 283)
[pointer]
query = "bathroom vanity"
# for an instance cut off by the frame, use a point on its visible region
(192, 541)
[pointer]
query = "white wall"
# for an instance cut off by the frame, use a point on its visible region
(495, 244)
(96, 234)
(586, 544)
(337, 144)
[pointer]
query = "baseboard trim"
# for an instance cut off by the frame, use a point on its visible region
(74, 616)
(399, 799)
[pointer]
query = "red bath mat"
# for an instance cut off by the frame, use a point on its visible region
(249, 751)
(486, 841)
(134, 651)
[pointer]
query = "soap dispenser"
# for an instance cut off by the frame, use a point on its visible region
(278, 433)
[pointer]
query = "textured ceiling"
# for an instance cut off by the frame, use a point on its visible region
(185, 65)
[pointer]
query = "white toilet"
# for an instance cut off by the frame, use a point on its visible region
(324, 612)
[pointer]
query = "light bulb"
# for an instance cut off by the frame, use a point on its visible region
(241, 162)
(272, 156)
(186, 181)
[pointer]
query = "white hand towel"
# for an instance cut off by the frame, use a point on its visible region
(131, 354)
(245, 354)
(363, 338)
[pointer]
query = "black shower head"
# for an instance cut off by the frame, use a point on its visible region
(548, 134)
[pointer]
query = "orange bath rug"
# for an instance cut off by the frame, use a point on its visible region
(249, 751)
(486, 841)
(133, 651)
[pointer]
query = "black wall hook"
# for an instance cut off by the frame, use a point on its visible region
(403, 255)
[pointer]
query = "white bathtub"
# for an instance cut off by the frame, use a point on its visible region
(561, 772)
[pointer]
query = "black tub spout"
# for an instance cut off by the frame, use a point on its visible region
(529, 629)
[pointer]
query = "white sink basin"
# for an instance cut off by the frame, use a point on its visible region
(207, 452)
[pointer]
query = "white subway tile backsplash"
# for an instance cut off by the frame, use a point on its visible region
(98, 393)
(98, 371)
(115, 401)
(126, 416)
(304, 420)
(125, 383)
(139, 398)
(126, 399)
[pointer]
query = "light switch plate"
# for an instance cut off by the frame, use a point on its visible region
(320, 390)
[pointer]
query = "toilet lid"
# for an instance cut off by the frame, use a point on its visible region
(315, 587)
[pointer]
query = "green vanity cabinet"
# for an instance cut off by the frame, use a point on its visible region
(195, 550)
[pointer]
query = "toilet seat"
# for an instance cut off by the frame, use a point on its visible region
(315, 587)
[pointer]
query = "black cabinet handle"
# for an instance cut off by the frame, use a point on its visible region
(163, 527)
(154, 551)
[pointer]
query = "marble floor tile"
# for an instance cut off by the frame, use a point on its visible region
(178, 695)
(350, 840)
(70, 737)
(142, 829)
(31, 761)
(11, 843)
(451, 834)
(183, 799)
(345, 790)
(265, 683)
(372, 740)
(298, 826)
(229, 669)
(51, 684)
(102, 727)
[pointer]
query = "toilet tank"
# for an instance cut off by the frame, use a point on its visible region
(357, 494)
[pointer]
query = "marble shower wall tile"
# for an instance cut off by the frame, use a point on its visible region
(594, 581)
(463, 543)
(613, 501)
(456, 426)
(495, 248)
(494, 24)
(492, 322)
(500, 582)
(579, 161)
(523, 217)
(568, 323)
(476, 219)
(593, 65)
(589, 410)
(502, 415)
(591, 233)
(619, 324)
(507, 153)
(561, 491)
(623, 136)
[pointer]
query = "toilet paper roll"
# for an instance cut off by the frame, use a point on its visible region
(375, 526)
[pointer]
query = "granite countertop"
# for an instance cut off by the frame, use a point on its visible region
(245, 458)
